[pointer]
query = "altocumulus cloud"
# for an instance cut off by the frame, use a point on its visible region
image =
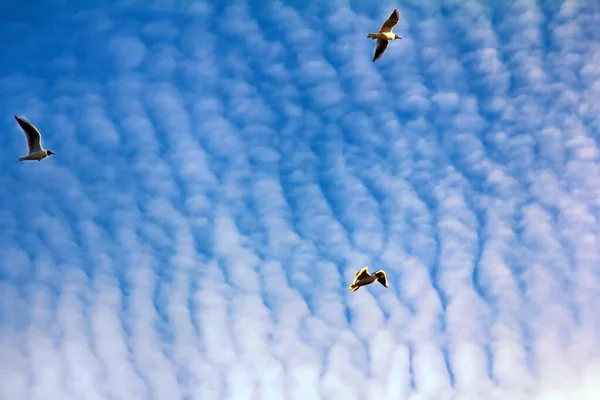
(213, 195)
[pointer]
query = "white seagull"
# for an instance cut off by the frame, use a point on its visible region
(34, 141)
(385, 34)
(363, 277)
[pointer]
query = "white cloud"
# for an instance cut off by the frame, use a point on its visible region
(129, 51)
(213, 195)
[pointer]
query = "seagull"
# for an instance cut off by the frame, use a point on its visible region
(385, 34)
(34, 141)
(363, 277)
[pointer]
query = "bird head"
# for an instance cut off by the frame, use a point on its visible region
(397, 37)
(50, 152)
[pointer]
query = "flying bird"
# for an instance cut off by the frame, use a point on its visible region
(385, 34)
(34, 141)
(363, 277)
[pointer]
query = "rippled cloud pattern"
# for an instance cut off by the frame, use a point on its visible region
(222, 171)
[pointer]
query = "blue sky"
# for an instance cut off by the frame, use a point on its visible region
(221, 173)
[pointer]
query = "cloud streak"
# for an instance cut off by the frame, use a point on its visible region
(213, 195)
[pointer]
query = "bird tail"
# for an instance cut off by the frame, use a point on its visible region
(381, 277)
(372, 36)
(22, 158)
(354, 288)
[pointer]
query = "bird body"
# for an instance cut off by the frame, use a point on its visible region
(363, 277)
(34, 141)
(36, 156)
(385, 34)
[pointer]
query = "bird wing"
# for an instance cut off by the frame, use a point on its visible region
(382, 277)
(389, 24)
(382, 44)
(361, 274)
(33, 135)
